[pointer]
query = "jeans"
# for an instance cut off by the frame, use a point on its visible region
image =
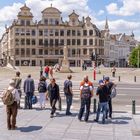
(42, 99)
(109, 110)
(85, 102)
(102, 106)
(69, 103)
(28, 101)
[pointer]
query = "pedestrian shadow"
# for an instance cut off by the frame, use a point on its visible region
(119, 122)
(121, 118)
(120, 112)
(41, 109)
(64, 115)
(29, 128)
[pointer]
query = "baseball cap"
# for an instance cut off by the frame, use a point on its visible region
(106, 78)
(101, 82)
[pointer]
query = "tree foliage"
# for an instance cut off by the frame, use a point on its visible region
(134, 58)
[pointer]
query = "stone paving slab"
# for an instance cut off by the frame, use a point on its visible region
(37, 125)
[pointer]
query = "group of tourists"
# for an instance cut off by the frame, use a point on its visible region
(51, 92)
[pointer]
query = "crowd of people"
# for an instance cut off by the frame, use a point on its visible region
(50, 91)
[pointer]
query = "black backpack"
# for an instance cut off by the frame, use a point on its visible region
(42, 87)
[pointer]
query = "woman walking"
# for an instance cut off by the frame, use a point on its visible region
(53, 93)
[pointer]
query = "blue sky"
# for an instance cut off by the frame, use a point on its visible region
(123, 15)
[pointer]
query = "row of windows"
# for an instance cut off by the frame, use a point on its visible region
(29, 52)
(46, 22)
(58, 42)
(72, 52)
(55, 32)
(51, 21)
(25, 22)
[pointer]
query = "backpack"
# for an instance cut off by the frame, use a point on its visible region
(42, 87)
(113, 92)
(86, 93)
(66, 87)
(8, 98)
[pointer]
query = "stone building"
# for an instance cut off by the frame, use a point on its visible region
(27, 42)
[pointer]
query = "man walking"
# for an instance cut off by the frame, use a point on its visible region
(68, 93)
(86, 92)
(102, 92)
(29, 89)
(113, 70)
(53, 93)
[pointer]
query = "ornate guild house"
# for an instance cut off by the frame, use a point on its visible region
(27, 42)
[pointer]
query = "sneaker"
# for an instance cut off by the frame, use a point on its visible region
(51, 116)
(68, 113)
(103, 122)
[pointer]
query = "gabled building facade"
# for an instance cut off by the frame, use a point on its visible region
(28, 42)
(34, 43)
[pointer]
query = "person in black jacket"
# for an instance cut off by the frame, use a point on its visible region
(42, 89)
(53, 93)
(102, 92)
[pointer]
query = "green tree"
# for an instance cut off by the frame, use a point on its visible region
(134, 58)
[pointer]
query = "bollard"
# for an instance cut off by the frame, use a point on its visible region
(119, 78)
(134, 78)
(94, 106)
(133, 107)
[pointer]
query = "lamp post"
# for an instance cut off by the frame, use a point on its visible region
(41, 69)
(93, 58)
(94, 70)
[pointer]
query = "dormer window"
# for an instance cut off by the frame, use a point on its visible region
(73, 21)
(52, 22)
(56, 22)
(22, 22)
(90, 32)
(46, 21)
(28, 22)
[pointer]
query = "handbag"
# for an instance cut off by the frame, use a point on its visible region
(34, 99)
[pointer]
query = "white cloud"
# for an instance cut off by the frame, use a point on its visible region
(128, 8)
(65, 6)
(121, 26)
(9, 12)
(101, 12)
